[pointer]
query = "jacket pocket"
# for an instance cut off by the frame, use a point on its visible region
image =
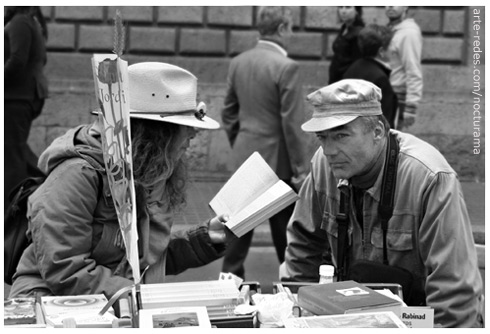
(396, 240)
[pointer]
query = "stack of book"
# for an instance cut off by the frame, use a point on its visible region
(220, 298)
(200, 293)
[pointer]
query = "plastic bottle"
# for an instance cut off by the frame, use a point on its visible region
(326, 273)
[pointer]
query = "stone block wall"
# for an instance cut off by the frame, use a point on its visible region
(204, 39)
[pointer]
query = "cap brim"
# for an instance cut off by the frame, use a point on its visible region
(187, 120)
(204, 123)
(318, 124)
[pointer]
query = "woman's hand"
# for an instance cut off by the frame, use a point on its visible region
(218, 232)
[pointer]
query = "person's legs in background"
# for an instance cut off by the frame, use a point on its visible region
(19, 160)
(236, 253)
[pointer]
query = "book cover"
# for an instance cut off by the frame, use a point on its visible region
(174, 317)
(199, 293)
(344, 297)
(82, 309)
(362, 320)
(19, 311)
(252, 195)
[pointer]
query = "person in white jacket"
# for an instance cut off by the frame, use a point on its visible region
(405, 61)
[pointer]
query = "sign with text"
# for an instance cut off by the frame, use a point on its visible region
(112, 90)
(417, 317)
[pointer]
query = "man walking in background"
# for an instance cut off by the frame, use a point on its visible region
(263, 110)
(405, 62)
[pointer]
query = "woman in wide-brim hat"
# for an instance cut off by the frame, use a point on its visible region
(77, 246)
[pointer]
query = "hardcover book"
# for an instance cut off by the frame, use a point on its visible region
(253, 194)
(174, 317)
(82, 310)
(364, 320)
(344, 297)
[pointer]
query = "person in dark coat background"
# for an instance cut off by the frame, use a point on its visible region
(25, 89)
(374, 41)
(345, 47)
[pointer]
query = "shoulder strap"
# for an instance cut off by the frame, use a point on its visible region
(388, 187)
(342, 219)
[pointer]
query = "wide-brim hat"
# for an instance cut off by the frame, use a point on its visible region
(168, 93)
(341, 103)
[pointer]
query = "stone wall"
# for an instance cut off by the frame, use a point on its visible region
(204, 39)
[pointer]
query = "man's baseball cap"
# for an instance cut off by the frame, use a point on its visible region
(341, 103)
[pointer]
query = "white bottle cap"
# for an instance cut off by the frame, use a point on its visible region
(326, 270)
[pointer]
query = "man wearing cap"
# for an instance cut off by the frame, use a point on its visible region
(263, 110)
(77, 247)
(429, 233)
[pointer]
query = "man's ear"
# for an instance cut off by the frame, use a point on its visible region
(379, 131)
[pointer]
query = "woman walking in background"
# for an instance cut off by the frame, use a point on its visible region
(26, 88)
(345, 48)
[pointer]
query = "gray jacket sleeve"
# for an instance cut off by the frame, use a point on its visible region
(307, 242)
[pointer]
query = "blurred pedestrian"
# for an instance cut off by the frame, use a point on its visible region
(406, 63)
(345, 47)
(77, 246)
(263, 111)
(25, 89)
(374, 66)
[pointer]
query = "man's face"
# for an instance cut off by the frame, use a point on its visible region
(395, 12)
(349, 149)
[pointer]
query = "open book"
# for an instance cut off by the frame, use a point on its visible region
(252, 195)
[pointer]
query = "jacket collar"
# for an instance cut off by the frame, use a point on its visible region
(273, 45)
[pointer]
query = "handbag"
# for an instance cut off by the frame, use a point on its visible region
(366, 271)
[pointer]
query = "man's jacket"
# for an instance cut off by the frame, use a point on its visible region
(429, 233)
(264, 109)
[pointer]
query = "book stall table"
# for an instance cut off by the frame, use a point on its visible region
(212, 304)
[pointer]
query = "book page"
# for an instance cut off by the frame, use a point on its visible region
(250, 180)
(263, 207)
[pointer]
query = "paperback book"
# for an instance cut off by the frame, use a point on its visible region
(253, 194)
(83, 310)
(361, 320)
(174, 317)
(19, 311)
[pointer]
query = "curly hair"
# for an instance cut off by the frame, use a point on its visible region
(154, 164)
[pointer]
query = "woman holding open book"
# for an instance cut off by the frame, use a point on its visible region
(77, 245)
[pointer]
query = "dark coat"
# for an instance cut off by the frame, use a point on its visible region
(25, 57)
(345, 51)
(373, 71)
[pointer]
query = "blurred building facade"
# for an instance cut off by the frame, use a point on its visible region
(204, 39)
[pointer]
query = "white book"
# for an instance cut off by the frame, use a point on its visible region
(174, 317)
(82, 309)
(200, 293)
(253, 194)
